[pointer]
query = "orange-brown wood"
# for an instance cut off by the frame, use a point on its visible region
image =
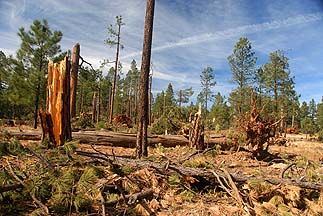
(58, 102)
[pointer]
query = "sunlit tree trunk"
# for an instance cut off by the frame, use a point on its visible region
(142, 144)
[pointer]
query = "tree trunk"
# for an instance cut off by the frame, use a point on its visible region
(47, 127)
(142, 147)
(115, 76)
(99, 104)
(108, 138)
(94, 108)
(59, 100)
(150, 94)
(74, 72)
(38, 91)
(196, 135)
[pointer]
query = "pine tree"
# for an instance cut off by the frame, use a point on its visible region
(319, 115)
(183, 96)
(207, 82)
(220, 113)
(114, 40)
(280, 87)
(242, 62)
(169, 97)
(158, 106)
(37, 46)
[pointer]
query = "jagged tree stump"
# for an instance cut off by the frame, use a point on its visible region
(196, 135)
(58, 103)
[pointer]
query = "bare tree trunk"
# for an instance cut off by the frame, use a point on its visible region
(94, 108)
(38, 92)
(129, 101)
(108, 103)
(150, 93)
(115, 76)
(142, 144)
(99, 104)
(36, 103)
(74, 72)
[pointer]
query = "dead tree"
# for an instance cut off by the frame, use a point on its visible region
(94, 108)
(47, 127)
(74, 72)
(196, 134)
(142, 144)
(112, 42)
(58, 103)
(258, 130)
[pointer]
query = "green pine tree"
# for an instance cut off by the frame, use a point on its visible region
(242, 62)
(38, 44)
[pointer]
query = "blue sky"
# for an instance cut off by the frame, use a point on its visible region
(188, 35)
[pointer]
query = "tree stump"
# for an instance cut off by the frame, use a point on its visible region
(196, 135)
(47, 127)
(57, 116)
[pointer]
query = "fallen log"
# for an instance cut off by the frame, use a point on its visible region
(202, 173)
(109, 138)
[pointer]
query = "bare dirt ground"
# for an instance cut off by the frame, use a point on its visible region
(303, 157)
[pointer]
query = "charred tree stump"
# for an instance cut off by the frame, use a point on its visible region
(58, 103)
(74, 72)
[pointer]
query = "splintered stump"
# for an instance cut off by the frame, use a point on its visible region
(58, 103)
(196, 136)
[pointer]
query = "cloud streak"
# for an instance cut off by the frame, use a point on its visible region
(229, 33)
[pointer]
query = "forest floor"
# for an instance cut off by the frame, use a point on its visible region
(176, 194)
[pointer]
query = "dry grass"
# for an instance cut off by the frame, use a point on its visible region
(176, 199)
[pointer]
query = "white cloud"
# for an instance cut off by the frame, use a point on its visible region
(229, 33)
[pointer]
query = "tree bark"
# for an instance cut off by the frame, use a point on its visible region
(142, 149)
(74, 74)
(47, 127)
(120, 139)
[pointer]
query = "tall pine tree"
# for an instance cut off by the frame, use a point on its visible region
(242, 62)
(38, 45)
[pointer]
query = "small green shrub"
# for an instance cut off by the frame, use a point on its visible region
(100, 125)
